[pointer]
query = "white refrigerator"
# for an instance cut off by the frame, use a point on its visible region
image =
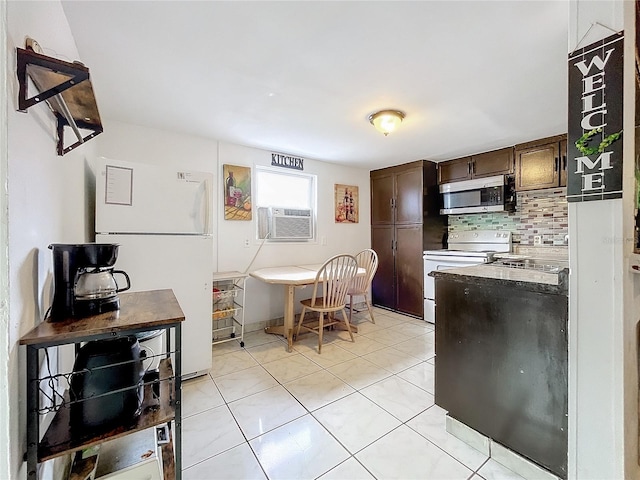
(161, 217)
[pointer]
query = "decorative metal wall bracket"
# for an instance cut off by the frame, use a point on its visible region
(66, 88)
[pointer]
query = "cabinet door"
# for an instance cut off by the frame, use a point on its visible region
(537, 167)
(454, 170)
(409, 269)
(381, 199)
(563, 163)
(383, 286)
(408, 190)
(485, 334)
(498, 162)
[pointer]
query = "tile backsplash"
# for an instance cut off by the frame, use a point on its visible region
(538, 212)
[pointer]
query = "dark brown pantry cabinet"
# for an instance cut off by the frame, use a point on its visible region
(405, 221)
(542, 163)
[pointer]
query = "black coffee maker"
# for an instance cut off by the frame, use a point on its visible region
(83, 280)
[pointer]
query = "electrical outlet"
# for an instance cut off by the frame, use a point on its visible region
(537, 239)
(246, 243)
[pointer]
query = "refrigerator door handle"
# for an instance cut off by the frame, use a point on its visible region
(207, 207)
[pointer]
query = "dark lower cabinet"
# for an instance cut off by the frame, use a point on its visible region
(398, 283)
(410, 271)
(384, 282)
(502, 362)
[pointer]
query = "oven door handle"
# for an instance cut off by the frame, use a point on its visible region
(454, 260)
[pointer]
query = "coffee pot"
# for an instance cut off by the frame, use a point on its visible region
(99, 283)
(84, 281)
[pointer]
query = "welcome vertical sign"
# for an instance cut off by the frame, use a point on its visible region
(594, 145)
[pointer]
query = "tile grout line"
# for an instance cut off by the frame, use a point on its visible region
(323, 368)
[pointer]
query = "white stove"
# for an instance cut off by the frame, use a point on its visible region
(472, 247)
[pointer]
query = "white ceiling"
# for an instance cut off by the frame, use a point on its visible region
(302, 77)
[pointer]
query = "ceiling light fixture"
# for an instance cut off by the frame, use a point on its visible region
(386, 121)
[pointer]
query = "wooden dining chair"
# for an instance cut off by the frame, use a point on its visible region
(329, 296)
(361, 284)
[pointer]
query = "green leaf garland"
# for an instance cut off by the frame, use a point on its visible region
(582, 142)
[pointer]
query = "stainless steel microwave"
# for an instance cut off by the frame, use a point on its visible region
(489, 194)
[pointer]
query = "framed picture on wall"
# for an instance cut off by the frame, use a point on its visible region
(346, 203)
(237, 192)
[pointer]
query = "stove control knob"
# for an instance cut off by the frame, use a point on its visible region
(475, 234)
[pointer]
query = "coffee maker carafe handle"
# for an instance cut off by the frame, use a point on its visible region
(118, 289)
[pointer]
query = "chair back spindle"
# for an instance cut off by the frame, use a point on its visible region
(330, 289)
(335, 278)
(361, 285)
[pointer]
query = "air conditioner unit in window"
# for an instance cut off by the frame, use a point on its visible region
(290, 223)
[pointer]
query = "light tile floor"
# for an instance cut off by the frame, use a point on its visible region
(360, 410)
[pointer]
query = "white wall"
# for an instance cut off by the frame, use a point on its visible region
(627, 334)
(46, 201)
(603, 382)
(266, 301)
(5, 433)
(140, 144)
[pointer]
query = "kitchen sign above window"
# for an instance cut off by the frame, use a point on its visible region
(286, 161)
(594, 146)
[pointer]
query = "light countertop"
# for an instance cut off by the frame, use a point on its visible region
(501, 273)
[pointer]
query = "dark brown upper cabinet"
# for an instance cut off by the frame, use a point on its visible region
(541, 163)
(454, 170)
(383, 198)
(496, 162)
(563, 165)
(409, 196)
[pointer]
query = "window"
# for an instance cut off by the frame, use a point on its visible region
(291, 190)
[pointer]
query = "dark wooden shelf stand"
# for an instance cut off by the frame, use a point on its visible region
(139, 312)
